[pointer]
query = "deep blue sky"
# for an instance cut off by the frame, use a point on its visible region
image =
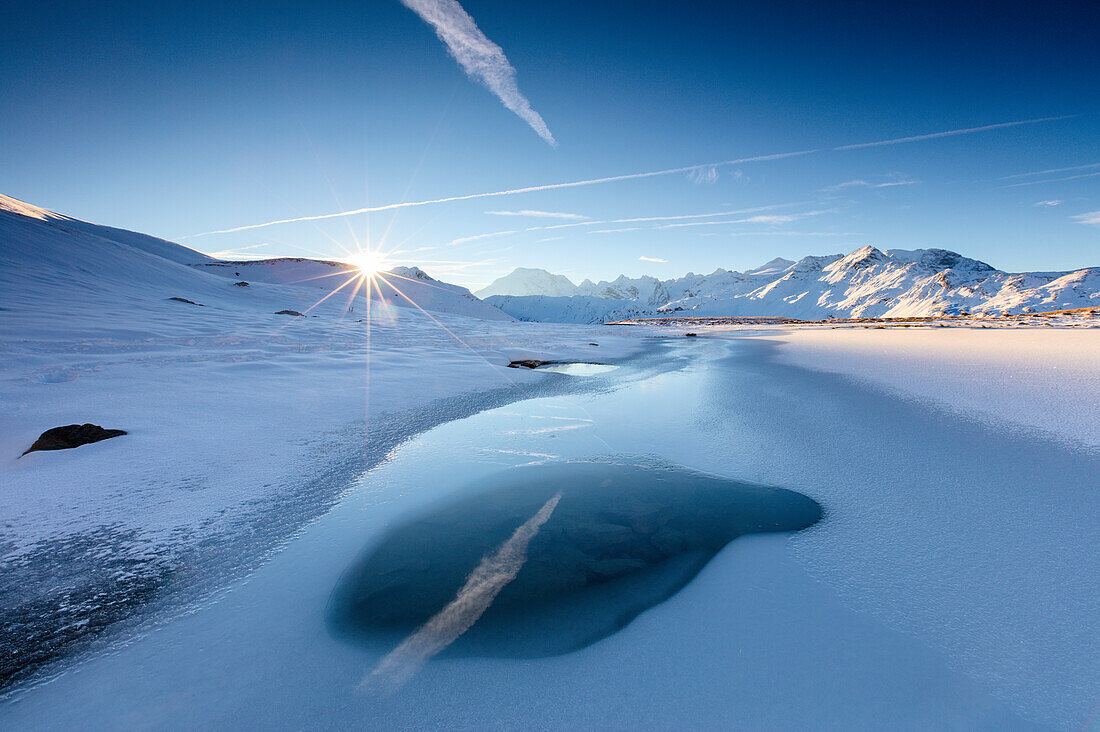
(181, 118)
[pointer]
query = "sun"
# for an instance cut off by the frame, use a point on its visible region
(368, 262)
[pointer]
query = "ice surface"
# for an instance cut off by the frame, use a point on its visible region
(579, 369)
(941, 589)
(620, 539)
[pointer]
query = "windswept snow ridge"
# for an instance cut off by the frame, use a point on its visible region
(865, 283)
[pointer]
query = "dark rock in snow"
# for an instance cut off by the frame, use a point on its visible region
(242, 283)
(530, 363)
(593, 344)
(690, 335)
(189, 302)
(72, 435)
(290, 312)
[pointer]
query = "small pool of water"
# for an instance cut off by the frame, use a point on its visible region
(578, 369)
(542, 560)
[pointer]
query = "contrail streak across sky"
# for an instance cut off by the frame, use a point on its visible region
(631, 176)
(950, 133)
(512, 192)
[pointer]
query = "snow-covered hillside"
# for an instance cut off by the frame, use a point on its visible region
(865, 283)
(65, 224)
(47, 252)
(242, 422)
(401, 286)
(527, 281)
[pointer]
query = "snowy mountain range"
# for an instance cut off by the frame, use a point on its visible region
(527, 281)
(48, 257)
(43, 253)
(864, 283)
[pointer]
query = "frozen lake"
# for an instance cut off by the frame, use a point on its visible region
(950, 583)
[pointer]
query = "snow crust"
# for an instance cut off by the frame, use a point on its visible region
(1042, 379)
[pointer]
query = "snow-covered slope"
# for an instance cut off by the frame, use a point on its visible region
(401, 286)
(528, 281)
(47, 254)
(865, 283)
(242, 423)
(61, 223)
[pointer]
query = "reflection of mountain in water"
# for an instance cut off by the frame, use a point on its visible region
(621, 539)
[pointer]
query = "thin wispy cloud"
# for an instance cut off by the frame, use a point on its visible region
(774, 219)
(704, 174)
(788, 233)
(644, 258)
(691, 224)
(769, 219)
(636, 220)
(616, 231)
(1092, 217)
(617, 178)
(496, 194)
(1052, 180)
(1048, 203)
(860, 183)
(1049, 171)
(480, 58)
(951, 133)
(539, 214)
(476, 237)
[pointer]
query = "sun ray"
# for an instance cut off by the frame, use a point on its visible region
(466, 345)
(333, 292)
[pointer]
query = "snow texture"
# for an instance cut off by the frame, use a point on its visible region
(1047, 380)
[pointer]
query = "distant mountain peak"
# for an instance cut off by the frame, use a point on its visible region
(530, 281)
(939, 259)
(413, 273)
(776, 265)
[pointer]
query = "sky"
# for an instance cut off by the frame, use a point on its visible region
(692, 135)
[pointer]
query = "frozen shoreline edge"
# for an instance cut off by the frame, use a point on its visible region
(209, 564)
